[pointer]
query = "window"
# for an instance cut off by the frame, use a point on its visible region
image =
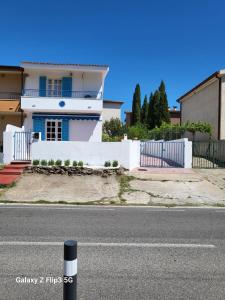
(53, 130)
(54, 88)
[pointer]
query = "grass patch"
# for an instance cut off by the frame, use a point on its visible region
(7, 186)
(124, 182)
(219, 205)
(48, 202)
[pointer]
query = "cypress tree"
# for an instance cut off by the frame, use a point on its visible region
(150, 110)
(136, 105)
(164, 115)
(144, 111)
(153, 111)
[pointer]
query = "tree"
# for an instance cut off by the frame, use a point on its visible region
(153, 110)
(144, 111)
(136, 105)
(113, 127)
(164, 115)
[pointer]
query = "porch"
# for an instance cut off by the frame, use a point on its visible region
(65, 127)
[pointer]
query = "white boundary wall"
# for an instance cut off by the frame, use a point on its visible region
(127, 152)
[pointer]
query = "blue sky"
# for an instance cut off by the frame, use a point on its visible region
(181, 42)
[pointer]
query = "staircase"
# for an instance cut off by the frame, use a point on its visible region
(10, 173)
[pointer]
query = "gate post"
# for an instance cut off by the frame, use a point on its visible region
(161, 154)
(213, 155)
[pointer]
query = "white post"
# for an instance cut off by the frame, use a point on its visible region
(8, 146)
(187, 154)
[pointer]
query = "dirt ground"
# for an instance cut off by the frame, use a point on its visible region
(169, 187)
(62, 188)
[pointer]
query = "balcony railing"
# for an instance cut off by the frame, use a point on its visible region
(61, 94)
(10, 95)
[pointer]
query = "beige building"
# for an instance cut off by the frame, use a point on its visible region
(111, 109)
(174, 116)
(206, 102)
(11, 85)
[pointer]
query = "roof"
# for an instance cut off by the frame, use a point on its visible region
(175, 113)
(10, 68)
(9, 105)
(113, 101)
(206, 81)
(170, 111)
(61, 64)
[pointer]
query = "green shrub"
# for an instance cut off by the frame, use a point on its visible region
(107, 163)
(67, 163)
(51, 162)
(107, 138)
(74, 163)
(80, 163)
(115, 163)
(36, 162)
(44, 162)
(138, 131)
(113, 128)
(58, 162)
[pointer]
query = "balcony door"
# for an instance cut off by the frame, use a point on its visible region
(54, 88)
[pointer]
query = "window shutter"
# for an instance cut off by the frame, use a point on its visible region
(39, 126)
(42, 86)
(67, 87)
(65, 130)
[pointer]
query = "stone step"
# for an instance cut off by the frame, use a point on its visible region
(25, 162)
(19, 166)
(11, 172)
(8, 179)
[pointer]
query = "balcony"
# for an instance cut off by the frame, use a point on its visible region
(62, 101)
(62, 94)
(10, 95)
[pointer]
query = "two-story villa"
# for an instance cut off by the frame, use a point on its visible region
(64, 101)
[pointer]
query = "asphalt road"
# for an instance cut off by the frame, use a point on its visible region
(124, 253)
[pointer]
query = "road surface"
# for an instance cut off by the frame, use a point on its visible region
(124, 252)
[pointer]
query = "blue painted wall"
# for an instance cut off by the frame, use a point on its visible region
(39, 126)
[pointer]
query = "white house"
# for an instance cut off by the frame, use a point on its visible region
(64, 101)
(63, 105)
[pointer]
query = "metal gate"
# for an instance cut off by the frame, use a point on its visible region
(162, 154)
(208, 155)
(22, 145)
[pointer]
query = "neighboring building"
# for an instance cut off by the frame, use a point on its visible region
(174, 116)
(206, 102)
(111, 109)
(128, 118)
(11, 85)
(64, 101)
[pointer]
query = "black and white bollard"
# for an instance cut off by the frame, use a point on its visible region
(70, 270)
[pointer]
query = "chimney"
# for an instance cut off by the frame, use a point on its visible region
(174, 108)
